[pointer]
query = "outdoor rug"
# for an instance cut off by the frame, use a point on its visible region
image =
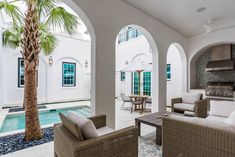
(148, 147)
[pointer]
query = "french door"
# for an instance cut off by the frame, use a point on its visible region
(145, 83)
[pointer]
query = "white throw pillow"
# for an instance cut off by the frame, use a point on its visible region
(85, 125)
(231, 119)
(190, 98)
(221, 108)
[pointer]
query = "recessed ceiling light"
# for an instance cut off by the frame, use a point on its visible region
(201, 9)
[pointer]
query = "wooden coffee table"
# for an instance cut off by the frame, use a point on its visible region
(153, 120)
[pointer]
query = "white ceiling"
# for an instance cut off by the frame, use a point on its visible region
(181, 15)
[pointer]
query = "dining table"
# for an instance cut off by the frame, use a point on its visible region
(139, 98)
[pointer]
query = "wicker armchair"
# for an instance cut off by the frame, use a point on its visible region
(199, 108)
(118, 143)
(197, 137)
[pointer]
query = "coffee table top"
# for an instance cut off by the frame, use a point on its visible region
(154, 119)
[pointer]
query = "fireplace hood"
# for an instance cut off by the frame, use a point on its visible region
(221, 59)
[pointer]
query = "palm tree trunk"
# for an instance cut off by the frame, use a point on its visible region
(33, 130)
(31, 50)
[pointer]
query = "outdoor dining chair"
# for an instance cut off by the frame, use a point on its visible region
(125, 99)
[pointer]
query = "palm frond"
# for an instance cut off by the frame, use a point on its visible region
(12, 36)
(44, 6)
(62, 20)
(48, 41)
(12, 10)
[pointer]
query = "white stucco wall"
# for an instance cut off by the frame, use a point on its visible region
(76, 51)
(174, 87)
(50, 76)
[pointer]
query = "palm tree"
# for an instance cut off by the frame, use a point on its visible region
(31, 32)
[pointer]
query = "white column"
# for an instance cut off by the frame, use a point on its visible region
(155, 82)
(162, 78)
(103, 77)
(159, 79)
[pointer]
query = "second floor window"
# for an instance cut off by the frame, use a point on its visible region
(69, 74)
(128, 33)
(123, 76)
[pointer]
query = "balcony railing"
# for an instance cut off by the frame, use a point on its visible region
(128, 34)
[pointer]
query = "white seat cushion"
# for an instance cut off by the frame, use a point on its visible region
(231, 119)
(184, 106)
(222, 108)
(85, 125)
(216, 118)
(190, 98)
(204, 122)
(104, 131)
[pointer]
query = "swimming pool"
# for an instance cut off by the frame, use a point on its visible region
(17, 121)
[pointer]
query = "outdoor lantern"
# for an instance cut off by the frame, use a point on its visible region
(86, 64)
(126, 62)
(50, 60)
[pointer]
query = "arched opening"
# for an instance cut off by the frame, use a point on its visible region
(90, 29)
(176, 73)
(200, 77)
(64, 77)
(136, 74)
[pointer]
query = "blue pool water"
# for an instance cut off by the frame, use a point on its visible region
(17, 122)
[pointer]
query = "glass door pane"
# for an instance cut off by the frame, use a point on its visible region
(147, 83)
(135, 83)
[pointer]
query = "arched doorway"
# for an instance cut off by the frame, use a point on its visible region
(91, 31)
(134, 44)
(176, 72)
(69, 54)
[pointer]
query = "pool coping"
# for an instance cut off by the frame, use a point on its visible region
(7, 106)
(3, 114)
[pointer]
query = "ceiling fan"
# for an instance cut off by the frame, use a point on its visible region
(208, 26)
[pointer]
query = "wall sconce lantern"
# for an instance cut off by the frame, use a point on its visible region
(50, 60)
(86, 64)
(126, 63)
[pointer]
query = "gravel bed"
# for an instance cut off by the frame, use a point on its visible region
(12, 143)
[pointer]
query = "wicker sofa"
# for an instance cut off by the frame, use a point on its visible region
(198, 107)
(118, 143)
(197, 137)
